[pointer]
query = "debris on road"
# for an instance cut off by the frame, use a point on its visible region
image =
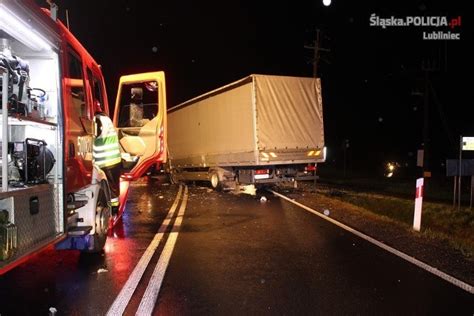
(248, 189)
(263, 199)
(326, 212)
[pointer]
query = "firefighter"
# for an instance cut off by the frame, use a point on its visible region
(106, 155)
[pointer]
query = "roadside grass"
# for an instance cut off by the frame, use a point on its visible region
(439, 220)
(436, 189)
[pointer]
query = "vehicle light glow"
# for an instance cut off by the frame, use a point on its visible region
(310, 168)
(11, 24)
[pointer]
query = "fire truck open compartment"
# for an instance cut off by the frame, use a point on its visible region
(31, 136)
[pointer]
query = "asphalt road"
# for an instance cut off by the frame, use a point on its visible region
(233, 255)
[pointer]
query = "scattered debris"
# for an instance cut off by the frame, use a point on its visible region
(263, 199)
(102, 270)
(326, 212)
(248, 189)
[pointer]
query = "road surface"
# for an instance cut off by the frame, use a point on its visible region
(232, 255)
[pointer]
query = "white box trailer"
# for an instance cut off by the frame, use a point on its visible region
(261, 129)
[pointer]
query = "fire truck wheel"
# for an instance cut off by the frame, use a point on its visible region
(102, 217)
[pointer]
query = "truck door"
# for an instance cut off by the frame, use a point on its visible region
(140, 118)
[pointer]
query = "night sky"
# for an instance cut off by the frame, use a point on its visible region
(370, 77)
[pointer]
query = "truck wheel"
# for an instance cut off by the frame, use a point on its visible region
(172, 178)
(102, 218)
(216, 184)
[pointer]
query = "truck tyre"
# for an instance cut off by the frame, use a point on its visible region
(102, 217)
(216, 184)
(172, 177)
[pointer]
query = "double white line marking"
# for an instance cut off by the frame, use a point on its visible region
(148, 301)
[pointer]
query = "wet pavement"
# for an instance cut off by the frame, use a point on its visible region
(234, 255)
(86, 284)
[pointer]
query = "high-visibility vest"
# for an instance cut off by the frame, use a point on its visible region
(106, 151)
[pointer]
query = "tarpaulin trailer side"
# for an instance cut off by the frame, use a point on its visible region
(258, 121)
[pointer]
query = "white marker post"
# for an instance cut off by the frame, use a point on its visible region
(467, 143)
(418, 204)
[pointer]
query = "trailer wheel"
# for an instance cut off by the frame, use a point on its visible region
(216, 184)
(102, 218)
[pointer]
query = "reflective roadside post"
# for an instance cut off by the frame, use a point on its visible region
(466, 143)
(418, 204)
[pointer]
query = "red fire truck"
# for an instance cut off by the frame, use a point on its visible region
(50, 88)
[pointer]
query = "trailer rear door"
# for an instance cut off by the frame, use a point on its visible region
(289, 113)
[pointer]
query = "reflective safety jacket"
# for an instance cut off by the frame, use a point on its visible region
(106, 151)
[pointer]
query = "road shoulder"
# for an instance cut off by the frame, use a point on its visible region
(436, 252)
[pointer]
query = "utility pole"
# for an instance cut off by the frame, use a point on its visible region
(426, 67)
(345, 145)
(426, 112)
(317, 49)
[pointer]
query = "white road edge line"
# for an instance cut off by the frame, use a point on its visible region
(463, 285)
(122, 300)
(148, 301)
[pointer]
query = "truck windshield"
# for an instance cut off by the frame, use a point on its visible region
(138, 104)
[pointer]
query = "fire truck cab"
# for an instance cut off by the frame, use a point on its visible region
(50, 90)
